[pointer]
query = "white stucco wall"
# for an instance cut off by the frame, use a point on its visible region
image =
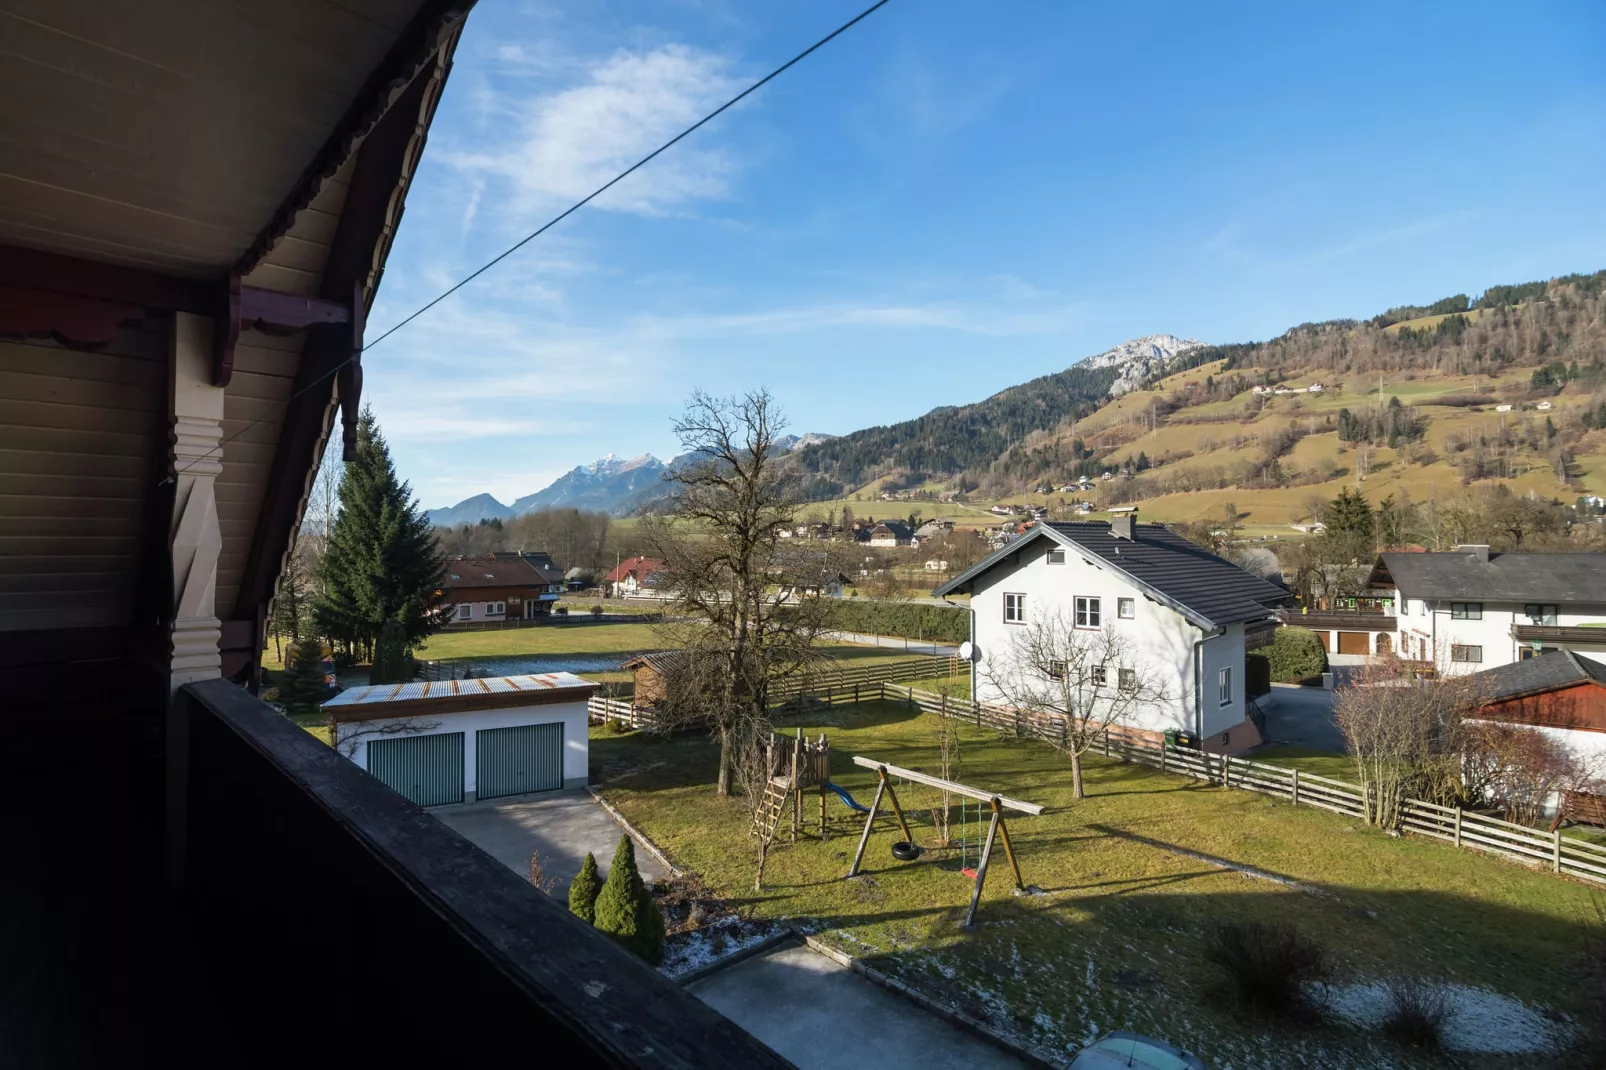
(352, 738)
(1161, 639)
(1432, 620)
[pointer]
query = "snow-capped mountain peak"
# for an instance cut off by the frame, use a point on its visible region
(1140, 359)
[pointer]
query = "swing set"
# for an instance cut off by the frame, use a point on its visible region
(906, 851)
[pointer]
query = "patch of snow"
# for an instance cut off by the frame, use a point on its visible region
(1481, 1019)
(720, 939)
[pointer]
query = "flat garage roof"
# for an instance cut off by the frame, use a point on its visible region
(457, 696)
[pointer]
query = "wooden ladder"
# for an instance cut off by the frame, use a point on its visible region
(767, 819)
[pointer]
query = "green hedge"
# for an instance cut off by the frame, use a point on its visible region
(908, 620)
(1295, 655)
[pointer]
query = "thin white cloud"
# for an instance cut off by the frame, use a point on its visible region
(571, 141)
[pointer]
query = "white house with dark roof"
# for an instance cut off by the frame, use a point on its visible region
(1186, 615)
(1471, 609)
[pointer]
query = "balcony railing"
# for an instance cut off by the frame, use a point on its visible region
(364, 925)
(1342, 620)
(1565, 635)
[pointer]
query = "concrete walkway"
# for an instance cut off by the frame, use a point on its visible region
(562, 825)
(893, 642)
(821, 1016)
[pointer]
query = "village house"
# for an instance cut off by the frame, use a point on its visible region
(931, 529)
(632, 576)
(890, 533)
(1187, 615)
(500, 587)
(1472, 609)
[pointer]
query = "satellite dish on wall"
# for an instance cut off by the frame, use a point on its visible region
(967, 650)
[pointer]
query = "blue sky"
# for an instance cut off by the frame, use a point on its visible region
(951, 198)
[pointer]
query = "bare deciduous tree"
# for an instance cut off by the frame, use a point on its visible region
(1089, 679)
(1521, 769)
(756, 601)
(1405, 734)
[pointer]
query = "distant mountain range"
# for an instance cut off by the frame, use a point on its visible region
(611, 485)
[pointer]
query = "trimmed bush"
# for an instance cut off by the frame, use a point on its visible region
(1275, 970)
(1296, 654)
(625, 909)
(908, 620)
(583, 891)
(1417, 1012)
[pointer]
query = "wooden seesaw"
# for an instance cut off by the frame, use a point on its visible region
(999, 804)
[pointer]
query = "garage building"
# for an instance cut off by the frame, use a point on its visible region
(439, 742)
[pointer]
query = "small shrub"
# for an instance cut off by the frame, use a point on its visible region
(596, 611)
(1296, 654)
(625, 909)
(1417, 1012)
(583, 891)
(1275, 970)
(561, 611)
(538, 876)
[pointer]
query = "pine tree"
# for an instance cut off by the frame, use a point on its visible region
(383, 562)
(583, 891)
(393, 658)
(302, 688)
(625, 909)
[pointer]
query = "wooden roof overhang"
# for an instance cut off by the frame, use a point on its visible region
(244, 162)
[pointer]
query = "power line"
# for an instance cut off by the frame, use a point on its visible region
(561, 216)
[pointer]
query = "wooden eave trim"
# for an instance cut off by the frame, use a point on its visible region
(419, 44)
(497, 700)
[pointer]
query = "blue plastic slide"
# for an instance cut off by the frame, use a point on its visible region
(842, 794)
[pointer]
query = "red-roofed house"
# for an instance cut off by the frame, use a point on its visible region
(632, 576)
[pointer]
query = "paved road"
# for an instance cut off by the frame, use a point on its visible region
(822, 1016)
(1301, 717)
(562, 825)
(892, 642)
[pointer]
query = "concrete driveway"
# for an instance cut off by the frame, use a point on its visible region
(562, 825)
(1301, 717)
(822, 1015)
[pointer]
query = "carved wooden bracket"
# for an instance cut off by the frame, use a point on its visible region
(244, 307)
(69, 318)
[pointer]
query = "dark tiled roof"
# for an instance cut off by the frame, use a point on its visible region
(1208, 588)
(1547, 672)
(1510, 577)
(542, 562)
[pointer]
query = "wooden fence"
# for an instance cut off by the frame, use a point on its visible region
(1551, 850)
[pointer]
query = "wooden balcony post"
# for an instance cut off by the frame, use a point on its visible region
(195, 540)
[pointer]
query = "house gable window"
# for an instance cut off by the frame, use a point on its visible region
(1014, 608)
(1056, 557)
(465, 612)
(1540, 614)
(493, 608)
(1126, 608)
(1466, 610)
(1466, 654)
(1087, 613)
(1224, 685)
(1100, 676)
(1056, 670)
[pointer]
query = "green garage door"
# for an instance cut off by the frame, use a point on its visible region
(426, 769)
(512, 761)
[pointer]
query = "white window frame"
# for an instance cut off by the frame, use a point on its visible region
(493, 608)
(1014, 607)
(1089, 612)
(1538, 619)
(465, 611)
(1224, 685)
(1466, 610)
(1126, 608)
(1466, 653)
(1100, 675)
(1056, 556)
(1057, 670)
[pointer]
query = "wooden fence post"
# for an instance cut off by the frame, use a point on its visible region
(1296, 786)
(1458, 826)
(1555, 863)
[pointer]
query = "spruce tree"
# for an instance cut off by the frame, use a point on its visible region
(625, 909)
(583, 891)
(393, 658)
(383, 562)
(302, 688)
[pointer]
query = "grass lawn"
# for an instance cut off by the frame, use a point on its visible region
(1115, 941)
(1315, 762)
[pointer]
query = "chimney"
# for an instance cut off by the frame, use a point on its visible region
(1124, 523)
(1478, 550)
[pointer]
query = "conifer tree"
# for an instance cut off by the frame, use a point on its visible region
(625, 909)
(393, 658)
(302, 688)
(383, 562)
(583, 891)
